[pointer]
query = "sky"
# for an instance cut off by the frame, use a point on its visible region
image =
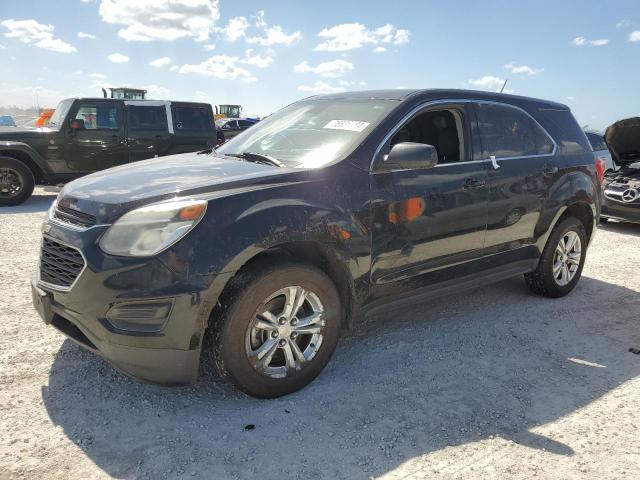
(264, 55)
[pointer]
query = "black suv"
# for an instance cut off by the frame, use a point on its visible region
(90, 134)
(262, 250)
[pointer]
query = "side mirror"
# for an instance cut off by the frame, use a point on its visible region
(76, 124)
(409, 155)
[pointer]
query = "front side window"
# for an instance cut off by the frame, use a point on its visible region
(312, 133)
(147, 117)
(191, 119)
(442, 129)
(99, 117)
(506, 132)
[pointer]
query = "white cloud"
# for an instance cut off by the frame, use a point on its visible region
(86, 35)
(209, 47)
(347, 83)
(2, 47)
(634, 36)
(118, 58)
(514, 68)
(156, 91)
(238, 28)
(582, 41)
(320, 88)
(626, 24)
(489, 82)
(571, 99)
(257, 60)
(174, 68)
(220, 66)
(333, 69)
(160, 62)
(348, 36)
(147, 20)
(99, 76)
(202, 96)
(38, 34)
(276, 36)
(380, 49)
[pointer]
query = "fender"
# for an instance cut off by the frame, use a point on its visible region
(9, 146)
(570, 190)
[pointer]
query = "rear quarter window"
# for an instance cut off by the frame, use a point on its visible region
(506, 131)
(191, 119)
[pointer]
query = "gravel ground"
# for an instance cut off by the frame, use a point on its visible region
(493, 383)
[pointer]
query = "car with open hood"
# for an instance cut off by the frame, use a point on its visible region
(261, 251)
(622, 187)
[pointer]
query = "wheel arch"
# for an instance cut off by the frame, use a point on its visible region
(27, 157)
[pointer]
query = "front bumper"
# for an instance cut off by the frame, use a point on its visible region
(629, 212)
(167, 355)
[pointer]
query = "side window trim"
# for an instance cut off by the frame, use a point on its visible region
(535, 122)
(468, 132)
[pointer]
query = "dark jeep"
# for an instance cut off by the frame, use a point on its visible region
(262, 250)
(90, 134)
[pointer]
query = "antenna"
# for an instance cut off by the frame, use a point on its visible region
(504, 85)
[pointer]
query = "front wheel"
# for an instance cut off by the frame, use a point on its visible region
(562, 260)
(278, 331)
(16, 182)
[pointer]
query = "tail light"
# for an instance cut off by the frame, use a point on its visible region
(600, 166)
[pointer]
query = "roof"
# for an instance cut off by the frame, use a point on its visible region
(150, 100)
(452, 93)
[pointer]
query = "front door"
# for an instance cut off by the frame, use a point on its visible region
(427, 219)
(99, 140)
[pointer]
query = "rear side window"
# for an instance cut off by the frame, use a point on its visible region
(244, 123)
(99, 117)
(191, 119)
(506, 131)
(147, 117)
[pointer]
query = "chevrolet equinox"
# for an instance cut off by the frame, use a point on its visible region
(261, 251)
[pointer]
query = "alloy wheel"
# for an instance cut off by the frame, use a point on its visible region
(286, 332)
(11, 182)
(567, 257)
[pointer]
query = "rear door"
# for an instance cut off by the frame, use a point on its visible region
(100, 142)
(147, 130)
(524, 168)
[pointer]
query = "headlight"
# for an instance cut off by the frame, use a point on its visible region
(149, 230)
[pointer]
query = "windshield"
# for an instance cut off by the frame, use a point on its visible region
(60, 113)
(311, 133)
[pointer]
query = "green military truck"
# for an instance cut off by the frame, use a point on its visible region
(90, 134)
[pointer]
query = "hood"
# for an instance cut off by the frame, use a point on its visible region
(623, 139)
(109, 193)
(19, 133)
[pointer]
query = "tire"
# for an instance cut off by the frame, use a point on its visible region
(543, 281)
(237, 338)
(21, 181)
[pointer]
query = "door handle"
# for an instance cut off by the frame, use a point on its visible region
(549, 171)
(473, 183)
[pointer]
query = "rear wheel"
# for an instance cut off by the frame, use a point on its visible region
(562, 260)
(16, 182)
(278, 332)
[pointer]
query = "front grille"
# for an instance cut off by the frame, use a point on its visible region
(59, 265)
(74, 217)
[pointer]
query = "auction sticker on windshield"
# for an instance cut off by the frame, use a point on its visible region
(353, 125)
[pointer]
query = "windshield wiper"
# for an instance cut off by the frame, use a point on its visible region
(258, 158)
